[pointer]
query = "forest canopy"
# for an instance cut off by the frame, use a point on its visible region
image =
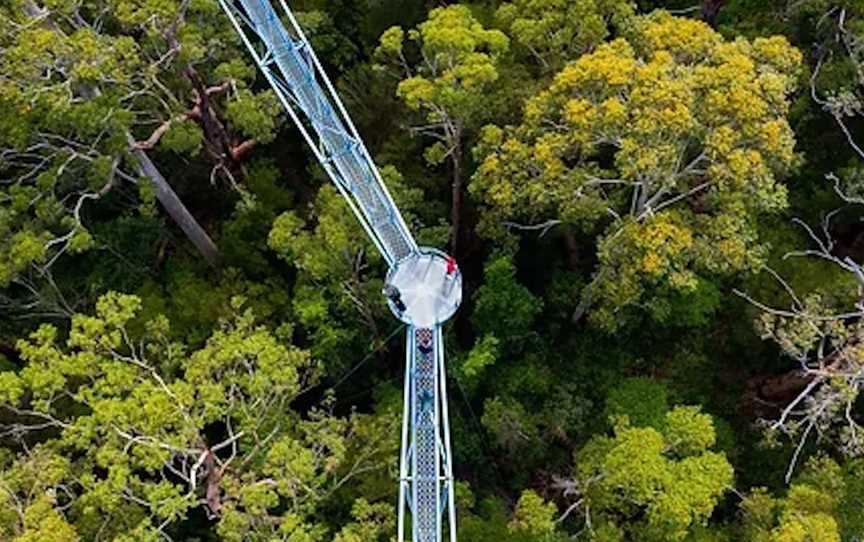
(656, 209)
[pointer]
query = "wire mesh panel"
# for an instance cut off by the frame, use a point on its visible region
(288, 62)
(425, 413)
(426, 484)
(290, 65)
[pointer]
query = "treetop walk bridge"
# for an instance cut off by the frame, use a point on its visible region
(424, 284)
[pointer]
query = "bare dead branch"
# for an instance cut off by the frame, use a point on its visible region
(543, 228)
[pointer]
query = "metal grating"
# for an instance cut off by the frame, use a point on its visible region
(426, 478)
(304, 88)
(290, 66)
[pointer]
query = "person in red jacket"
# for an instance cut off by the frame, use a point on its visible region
(451, 267)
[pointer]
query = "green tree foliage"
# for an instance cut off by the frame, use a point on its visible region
(504, 308)
(482, 355)
(372, 522)
(643, 401)
(339, 269)
(29, 500)
(85, 87)
(61, 151)
(491, 520)
(533, 516)
(449, 85)
(671, 142)
(806, 512)
(654, 485)
(459, 63)
(557, 31)
(137, 431)
(510, 424)
(333, 259)
(328, 40)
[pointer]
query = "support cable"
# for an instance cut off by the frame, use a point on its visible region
(363, 361)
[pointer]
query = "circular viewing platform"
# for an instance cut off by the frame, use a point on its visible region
(424, 289)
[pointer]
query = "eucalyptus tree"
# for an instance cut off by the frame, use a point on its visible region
(90, 93)
(821, 504)
(446, 75)
(649, 484)
(818, 329)
(668, 144)
(555, 32)
(123, 434)
(837, 80)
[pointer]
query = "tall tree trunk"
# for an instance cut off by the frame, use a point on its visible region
(456, 191)
(164, 193)
(711, 10)
(176, 209)
(571, 248)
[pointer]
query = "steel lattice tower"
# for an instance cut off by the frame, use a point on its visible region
(430, 289)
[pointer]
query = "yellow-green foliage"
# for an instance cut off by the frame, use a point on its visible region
(555, 31)
(319, 252)
(461, 55)
(77, 83)
(255, 115)
(673, 139)
(339, 268)
(533, 516)
(42, 113)
(137, 405)
(28, 501)
(18, 252)
(371, 523)
(183, 137)
(806, 514)
(670, 479)
(460, 65)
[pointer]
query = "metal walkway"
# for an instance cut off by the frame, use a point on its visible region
(288, 62)
(294, 72)
(426, 474)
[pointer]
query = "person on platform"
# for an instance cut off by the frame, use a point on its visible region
(451, 268)
(392, 293)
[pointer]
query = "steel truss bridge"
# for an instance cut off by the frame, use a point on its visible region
(430, 289)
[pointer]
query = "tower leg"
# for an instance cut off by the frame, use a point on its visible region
(449, 488)
(404, 457)
(426, 474)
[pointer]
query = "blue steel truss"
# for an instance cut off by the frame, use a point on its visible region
(291, 67)
(426, 472)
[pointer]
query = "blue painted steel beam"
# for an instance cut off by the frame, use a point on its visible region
(290, 65)
(426, 474)
(288, 62)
